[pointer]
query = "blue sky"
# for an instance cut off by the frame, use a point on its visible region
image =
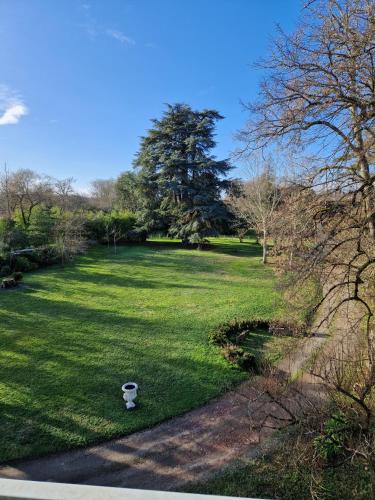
(80, 79)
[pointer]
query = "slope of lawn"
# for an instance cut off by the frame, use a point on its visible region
(74, 335)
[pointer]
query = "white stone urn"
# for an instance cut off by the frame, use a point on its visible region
(130, 393)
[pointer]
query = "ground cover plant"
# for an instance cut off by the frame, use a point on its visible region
(73, 335)
(268, 477)
(246, 342)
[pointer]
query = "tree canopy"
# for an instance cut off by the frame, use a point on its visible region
(181, 181)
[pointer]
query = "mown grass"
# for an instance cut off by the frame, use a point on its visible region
(72, 337)
(268, 348)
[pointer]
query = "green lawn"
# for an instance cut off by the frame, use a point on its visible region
(76, 334)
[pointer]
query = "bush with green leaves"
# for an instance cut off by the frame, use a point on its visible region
(331, 442)
(44, 256)
(5, 271)
(40, 229)
(12, 236)
(137, 236)
(102, 226)
(17, 275)
(22, 264)
(3, 260)
(229, 337)
(232, 331)
(245, 360)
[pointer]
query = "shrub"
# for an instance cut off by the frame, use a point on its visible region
(249, 362)
(234, 331)
(44, 256)
(33, 256)
(330, 444)
(229, 337)
(101, 226)
(17, 275)
(22, 264)
(34, 259)
(137, 236)
(232, 352)
(245, 360)
(5, 271)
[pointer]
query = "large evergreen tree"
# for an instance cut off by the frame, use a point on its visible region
(180, 180)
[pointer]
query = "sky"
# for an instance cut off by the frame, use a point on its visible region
(81, 79)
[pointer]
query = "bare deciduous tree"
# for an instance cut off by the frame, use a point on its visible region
(104, 193)
(320, 91)
(69, 236)
(23, 190)
(319, 98)
(255, 201)
(293, 225)
(64, 192)
(5, 194)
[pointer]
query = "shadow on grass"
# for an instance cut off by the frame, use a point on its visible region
(256, 342)
(62, 364)
(222, 246)
(62, 367)
(156, 258)
(102, 280)
(154, 255)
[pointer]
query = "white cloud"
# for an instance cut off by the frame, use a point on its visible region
(13, 114)
(121, 37)
(12, 107)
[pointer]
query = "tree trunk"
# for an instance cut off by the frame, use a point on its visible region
(264, 259)
(365, 173)
(23, 216)
(364, 169)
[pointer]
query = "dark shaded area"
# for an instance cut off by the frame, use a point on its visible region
(249, 248)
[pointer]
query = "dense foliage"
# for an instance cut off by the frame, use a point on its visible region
(236, 339)
(180, 181)
(53, 235)
(176, 189)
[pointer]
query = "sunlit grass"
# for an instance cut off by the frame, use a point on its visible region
(76, 334)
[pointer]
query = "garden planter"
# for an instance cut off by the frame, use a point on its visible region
(130, 393)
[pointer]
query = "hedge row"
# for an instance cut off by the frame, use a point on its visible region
(230, 335)
(30, 261)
